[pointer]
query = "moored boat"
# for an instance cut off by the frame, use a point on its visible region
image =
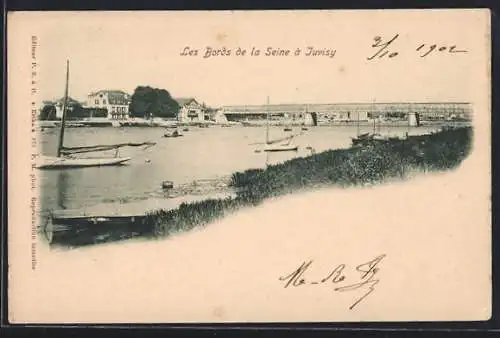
(167, 184)
(74, 125)
(277, 145)
(52, 162)
(65, 155)
(174, 133)
(280, 147)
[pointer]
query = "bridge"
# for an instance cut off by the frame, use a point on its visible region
(351, 111)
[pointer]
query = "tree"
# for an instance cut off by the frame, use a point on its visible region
(152, 102)
(48, 112)
(74, 110)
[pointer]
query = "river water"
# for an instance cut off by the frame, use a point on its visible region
(199, 163)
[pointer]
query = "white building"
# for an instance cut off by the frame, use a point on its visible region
(115, 101)
(191, 110)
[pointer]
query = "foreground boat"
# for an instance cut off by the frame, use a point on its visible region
(65, 155)
(52, 162)
(85, 230)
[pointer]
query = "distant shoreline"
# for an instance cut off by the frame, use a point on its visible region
(251, 123)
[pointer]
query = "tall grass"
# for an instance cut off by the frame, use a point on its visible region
(370, 164)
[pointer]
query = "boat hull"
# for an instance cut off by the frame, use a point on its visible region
(57, 162)
(80, 231)
(281, 148)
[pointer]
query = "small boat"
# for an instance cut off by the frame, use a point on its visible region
(52, 162)
(362, 139)
(379, 137)
(280, 147)
(367, 138)
(164, 123)
(97, 123)
(287, 129)
(48, 124)
(175, 133)
(277, 145)
(167, 184)
(74, 125)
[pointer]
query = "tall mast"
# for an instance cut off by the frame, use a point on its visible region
(267, 126)
(63, 120)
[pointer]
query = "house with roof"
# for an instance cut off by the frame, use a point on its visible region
(115, 101)
(191, 110)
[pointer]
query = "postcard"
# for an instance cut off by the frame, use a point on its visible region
(249, 166)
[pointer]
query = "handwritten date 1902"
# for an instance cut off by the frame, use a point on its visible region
(365, 278)
(386, 48)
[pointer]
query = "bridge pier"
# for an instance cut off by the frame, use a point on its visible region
(220, 117)
(413, 119)
(310, 119)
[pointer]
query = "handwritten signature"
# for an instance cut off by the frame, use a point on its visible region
(366, 278)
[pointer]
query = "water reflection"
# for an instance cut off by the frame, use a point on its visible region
(62, 189)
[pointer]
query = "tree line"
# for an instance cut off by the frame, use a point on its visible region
(146, 102)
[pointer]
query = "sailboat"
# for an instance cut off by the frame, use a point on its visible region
(65, 158)
(273, 145)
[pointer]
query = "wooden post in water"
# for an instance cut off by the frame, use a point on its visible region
(63, 119)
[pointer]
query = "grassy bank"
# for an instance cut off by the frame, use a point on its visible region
(371, 164)
(356, 166)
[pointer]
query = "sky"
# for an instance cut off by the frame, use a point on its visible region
(121, 50)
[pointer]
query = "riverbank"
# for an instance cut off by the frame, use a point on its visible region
(394, 159)
(356, 166)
